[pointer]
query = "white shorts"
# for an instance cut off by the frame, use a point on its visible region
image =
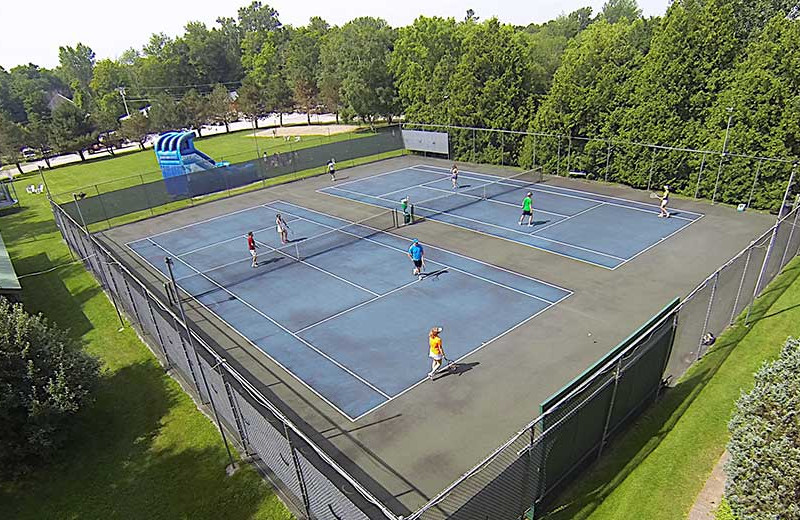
(437, 357)
(253, 253)
(664, 203)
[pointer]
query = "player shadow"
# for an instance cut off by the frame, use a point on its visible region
(434, 274)
(341, 178)
(454, 369)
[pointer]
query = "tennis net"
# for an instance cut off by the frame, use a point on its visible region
(225, 277)
(472, 192)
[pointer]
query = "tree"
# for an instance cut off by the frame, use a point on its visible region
(71, 129)
(615, 10)
(107, 125)
(250, 102)
(45, 379)
(136, 128)
(12, 139)
(193, 111)
(764, 469)
(358, 55)
(163, 113)
(303, 65)
(220, 107)
(263, 58)
(76, 65)
(256, 18)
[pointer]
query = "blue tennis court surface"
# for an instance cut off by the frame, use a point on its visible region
(338, 307)
(601, 230)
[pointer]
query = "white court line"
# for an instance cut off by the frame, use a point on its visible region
(587, 210)
(509, 229)
(228, 239)
(252, 343)
(438, 262)
(660, 240)
(473, 230)
(493, 201)
(492, 340)
(371, 177)
(202, 221)
(592, 197)
(306, 343)
(319, 269)
(357, 306)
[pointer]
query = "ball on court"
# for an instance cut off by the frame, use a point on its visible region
(589, 334)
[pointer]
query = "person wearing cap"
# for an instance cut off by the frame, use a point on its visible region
(436, 350)
(527, 209)
(417, 255)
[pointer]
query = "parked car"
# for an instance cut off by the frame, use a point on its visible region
(28, 153)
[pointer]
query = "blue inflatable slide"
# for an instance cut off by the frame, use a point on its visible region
(178, 158)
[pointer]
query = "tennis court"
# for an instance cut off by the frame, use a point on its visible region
(338, 307)
(598, 229)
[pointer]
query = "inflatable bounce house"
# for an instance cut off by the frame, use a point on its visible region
(178, 157)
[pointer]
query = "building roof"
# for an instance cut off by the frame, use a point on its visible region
(8, 277)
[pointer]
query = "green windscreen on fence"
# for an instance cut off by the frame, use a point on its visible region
(578, 419)
(147, 195)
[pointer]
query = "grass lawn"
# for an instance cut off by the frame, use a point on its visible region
(125, 168)
(142, 450)
(656, 470)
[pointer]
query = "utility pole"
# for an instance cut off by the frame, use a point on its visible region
(121, 91)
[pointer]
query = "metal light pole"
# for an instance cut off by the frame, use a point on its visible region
(168, 261)
(722, 157)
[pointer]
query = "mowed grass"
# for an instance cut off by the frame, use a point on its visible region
(656, 470)
(126, 168)
(142, 449)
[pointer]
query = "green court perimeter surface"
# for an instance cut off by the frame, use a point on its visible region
(142, 450)
(656, 470)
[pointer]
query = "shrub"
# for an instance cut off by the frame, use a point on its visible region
(45, 378)
(764, 469)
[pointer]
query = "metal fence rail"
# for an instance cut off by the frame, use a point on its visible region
(523, 472)
(309, 479)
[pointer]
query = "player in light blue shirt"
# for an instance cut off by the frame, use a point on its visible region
(417, 255)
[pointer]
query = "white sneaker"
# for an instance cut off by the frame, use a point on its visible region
(419, 278)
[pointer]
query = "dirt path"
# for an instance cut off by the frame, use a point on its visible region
(707, 502)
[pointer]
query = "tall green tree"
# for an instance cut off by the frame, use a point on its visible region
(12, 140)
(72, 130)
(250, 102)
(76, 66)
(359, 55)
(303, 64)
(615, 10)
(163, 113)
(221, 110)
(136, 128)
(258, 18)
(193, 111)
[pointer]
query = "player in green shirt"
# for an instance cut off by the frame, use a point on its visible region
(527, 209)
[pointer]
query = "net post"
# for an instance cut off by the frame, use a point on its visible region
(700, 176)
(755, 180)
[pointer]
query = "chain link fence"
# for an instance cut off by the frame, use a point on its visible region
(309, 480)
(572, 429)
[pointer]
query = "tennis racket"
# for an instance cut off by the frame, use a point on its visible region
(655, 196)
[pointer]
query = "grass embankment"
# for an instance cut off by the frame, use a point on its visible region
(656, 469)
(142, 450)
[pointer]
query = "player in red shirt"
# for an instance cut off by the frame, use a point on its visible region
(251, 245)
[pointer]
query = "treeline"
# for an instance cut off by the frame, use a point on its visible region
(675, 80)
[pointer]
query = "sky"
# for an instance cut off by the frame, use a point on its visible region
(32, 33)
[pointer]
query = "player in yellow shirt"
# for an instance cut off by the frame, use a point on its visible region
(436, 350)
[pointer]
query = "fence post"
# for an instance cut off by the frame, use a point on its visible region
(617, 373)
(104, 283)
(789, 240)
(700, 176)
(741, 285)
(534, 151)
(755, 180)
(237, 414)
(158, 329)
(608, 159)
(708, 316)
(473, 146)
(569, 154)
(558, 158)
(298, 470)
(502, 148)
(146, 196)
(102, 206)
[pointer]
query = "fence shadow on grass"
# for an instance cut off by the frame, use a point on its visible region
(625, 453)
